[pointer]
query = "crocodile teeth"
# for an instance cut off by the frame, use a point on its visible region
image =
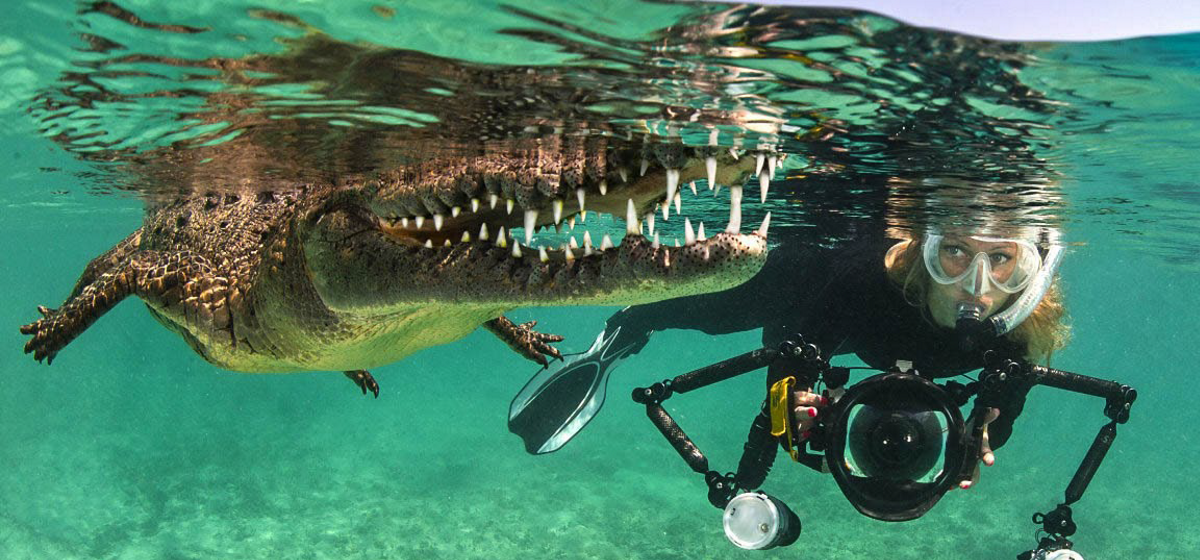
(650, 223)
(587, 239)
(678, 203)
(516, 251)
(710, 165)
(428, 243)
(735, 210)
(772, 165)
(689, 236)
(645, 165)
(455, 211)
(631, 221)
(438, 220)
(712, 137)
(404, 222)
(492, 200)
(446, 243)
(420, 221)
(508, 204)
(587, 250)
(531, 217)
(677, 242)
(474, 204)
(656, 244)
(692, 185)
(624, 173)
(766, 223)
(700, 233)
(606, 243)
(542, 254)
(733, 152)
(572, 244)
(501, 239)
(603, 188)
(567, 254)
(764, 184)
(558, 210)
(466, 237)
(483, 232)
(666, 208)
(581, 195)
(758, 163)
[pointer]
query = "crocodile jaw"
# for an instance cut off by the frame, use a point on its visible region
(389, 268)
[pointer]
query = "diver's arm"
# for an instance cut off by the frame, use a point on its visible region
(748, 306)
(1011, 407)
(1010, 402)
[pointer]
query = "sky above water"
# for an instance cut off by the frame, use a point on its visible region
(1035, 20)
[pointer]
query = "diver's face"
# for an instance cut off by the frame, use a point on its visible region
(956, 255)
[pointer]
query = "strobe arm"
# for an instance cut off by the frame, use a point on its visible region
(1119, 398)
(721, 487)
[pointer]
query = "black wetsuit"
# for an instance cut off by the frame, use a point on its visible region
(840, 299)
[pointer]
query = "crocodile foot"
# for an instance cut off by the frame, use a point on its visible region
(524, 340)
(364, 380)
(50, 334)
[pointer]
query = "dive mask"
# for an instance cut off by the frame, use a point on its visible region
(981, 264)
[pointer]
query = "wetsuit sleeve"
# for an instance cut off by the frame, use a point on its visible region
(1010, 404)
(751, 305)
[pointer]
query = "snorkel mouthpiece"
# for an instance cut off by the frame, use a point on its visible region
(970, 312)
(969, 326)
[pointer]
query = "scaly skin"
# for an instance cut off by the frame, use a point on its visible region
(327, 277)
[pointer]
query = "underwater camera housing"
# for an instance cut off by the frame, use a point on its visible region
(895, 442)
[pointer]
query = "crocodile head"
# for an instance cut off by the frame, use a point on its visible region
(466, 230)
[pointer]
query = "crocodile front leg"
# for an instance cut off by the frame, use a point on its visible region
(175, 280)
(524, 340)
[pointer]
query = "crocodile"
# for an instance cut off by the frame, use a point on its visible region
(349, 277)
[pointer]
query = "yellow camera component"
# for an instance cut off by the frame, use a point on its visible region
(781, 414)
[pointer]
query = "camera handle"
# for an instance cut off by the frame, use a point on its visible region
(722, 487)
(1000, 375)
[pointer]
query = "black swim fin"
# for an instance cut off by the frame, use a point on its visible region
(556, 403)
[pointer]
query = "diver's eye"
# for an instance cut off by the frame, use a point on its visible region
(954, 251)
(999, 258)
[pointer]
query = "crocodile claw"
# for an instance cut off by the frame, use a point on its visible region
(526, 341)
(364, 380)
(47, 334)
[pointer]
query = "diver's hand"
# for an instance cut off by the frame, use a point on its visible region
(806, 408)
(985, 449)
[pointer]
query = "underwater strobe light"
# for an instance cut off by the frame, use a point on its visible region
(756, 521)
(1064, 554)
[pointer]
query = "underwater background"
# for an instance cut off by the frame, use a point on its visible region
(131, 446)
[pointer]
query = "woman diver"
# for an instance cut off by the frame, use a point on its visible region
(925, 300)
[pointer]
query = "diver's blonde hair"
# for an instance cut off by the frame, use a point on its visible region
(1043, 332)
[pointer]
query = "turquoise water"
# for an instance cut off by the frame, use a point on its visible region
(131, 446)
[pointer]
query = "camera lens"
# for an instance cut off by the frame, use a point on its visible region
(895, 444)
